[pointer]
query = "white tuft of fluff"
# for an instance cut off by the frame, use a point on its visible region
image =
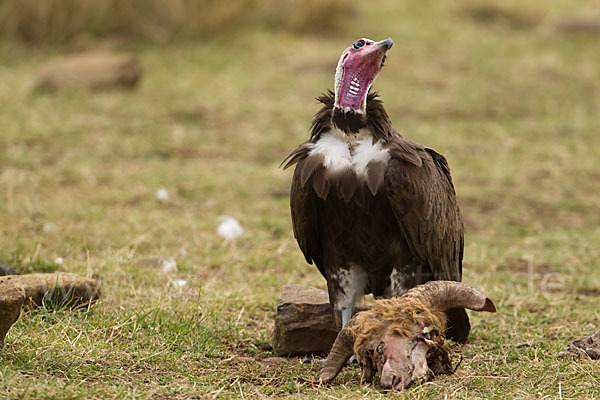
(179, 283)
(335, 152)
(59, 260)
(229, 228)
(168, 265)
(49, 227)
(366, 152)
(337, 156)
(162, 194)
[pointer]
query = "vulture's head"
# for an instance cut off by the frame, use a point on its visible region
(402, 339)
(357, 69)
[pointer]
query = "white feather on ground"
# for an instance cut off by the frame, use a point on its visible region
(179, 283)
(162, 194)
(49, 227)
(229, 228)
(168, 265)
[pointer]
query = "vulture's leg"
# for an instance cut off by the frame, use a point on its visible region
(346, 314)
(402, 278)
(345, 286)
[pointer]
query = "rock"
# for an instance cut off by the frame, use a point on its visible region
(91, 70)
(6, 270)
(35, 287)
(588, 347)
(304, 323)
(579, 25)
(31, 289)
(11, 301)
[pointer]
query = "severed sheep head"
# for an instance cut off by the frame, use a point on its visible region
(402, 339)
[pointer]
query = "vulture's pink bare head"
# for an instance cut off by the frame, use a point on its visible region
(357, 69)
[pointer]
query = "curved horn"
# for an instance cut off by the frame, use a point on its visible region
(340, 352)
(446, 295)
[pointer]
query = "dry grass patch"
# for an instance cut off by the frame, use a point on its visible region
(63, 21)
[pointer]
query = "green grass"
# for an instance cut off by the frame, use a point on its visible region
(512, 105)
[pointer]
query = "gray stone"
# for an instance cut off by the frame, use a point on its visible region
(304, 323)
(6, 270)
(32, 289)
(91, 70)
(588, 347)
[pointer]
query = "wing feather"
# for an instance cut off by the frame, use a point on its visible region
(303, 204)
(424, 203)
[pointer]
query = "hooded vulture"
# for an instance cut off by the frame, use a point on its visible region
(373, 210)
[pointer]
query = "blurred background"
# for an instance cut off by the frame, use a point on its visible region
(207, 97)
(222, 91)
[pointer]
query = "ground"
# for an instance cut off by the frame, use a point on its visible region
(507, 93)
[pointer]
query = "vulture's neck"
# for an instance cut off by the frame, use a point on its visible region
(348, 121)
(375, 119)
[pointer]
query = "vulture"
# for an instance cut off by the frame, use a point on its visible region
(374, 211)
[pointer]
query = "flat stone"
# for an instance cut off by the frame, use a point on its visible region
(587, 347)
(11, 301)
(32, 289)
(304, 323)
(6, 270)
(91, 70)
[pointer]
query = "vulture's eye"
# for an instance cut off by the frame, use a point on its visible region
(359, 43)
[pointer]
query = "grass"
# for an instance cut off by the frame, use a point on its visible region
(512, 106)
(73, 22)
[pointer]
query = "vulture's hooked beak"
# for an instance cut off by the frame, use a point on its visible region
(384, 46)
(387, 43)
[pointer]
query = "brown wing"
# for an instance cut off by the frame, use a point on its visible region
(420, 191)
(303, 204)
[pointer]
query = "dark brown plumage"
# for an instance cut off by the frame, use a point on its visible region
(375, 212)
(402, 214)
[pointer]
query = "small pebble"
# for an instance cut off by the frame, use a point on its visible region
(6, 270)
